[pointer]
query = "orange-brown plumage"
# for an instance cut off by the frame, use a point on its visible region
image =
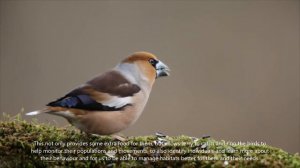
(142, 56)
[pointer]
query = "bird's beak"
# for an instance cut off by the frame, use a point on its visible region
(162, 69)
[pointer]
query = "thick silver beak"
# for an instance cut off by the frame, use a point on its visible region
(162, 69)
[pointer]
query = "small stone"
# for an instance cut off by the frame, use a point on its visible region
(110, 154)
(160, 142)
(111, 165)
(205, 136)
(159, 134)
(203, 146)
(194, 139)
(161, 139)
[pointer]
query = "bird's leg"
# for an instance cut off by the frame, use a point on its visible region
(96, 135)
(89, 134)
(119, 137)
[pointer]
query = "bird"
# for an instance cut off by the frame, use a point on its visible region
(112, 101)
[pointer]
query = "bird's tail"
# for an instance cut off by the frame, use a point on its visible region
(32, 113)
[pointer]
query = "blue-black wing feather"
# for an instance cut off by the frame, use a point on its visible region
(81, 101)
(111, 82)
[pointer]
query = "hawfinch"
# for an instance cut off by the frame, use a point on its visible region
(112, 101)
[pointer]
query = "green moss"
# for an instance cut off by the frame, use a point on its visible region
(17, 149)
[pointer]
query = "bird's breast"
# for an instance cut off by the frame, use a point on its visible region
(111, 122)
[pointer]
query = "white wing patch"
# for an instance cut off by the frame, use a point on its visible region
(33, 113)
(116, 101)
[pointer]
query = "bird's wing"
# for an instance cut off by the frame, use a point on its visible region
(108, 92)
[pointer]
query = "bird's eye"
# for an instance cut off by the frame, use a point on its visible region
(152, 62)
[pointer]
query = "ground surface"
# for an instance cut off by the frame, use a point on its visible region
(24, 144)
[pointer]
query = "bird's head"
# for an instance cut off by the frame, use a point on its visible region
(148, 65)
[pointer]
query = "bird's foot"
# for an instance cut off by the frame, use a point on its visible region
(95, 135)
(90, 134)
(119, 137)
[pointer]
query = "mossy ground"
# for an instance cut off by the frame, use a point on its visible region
(17, 148)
